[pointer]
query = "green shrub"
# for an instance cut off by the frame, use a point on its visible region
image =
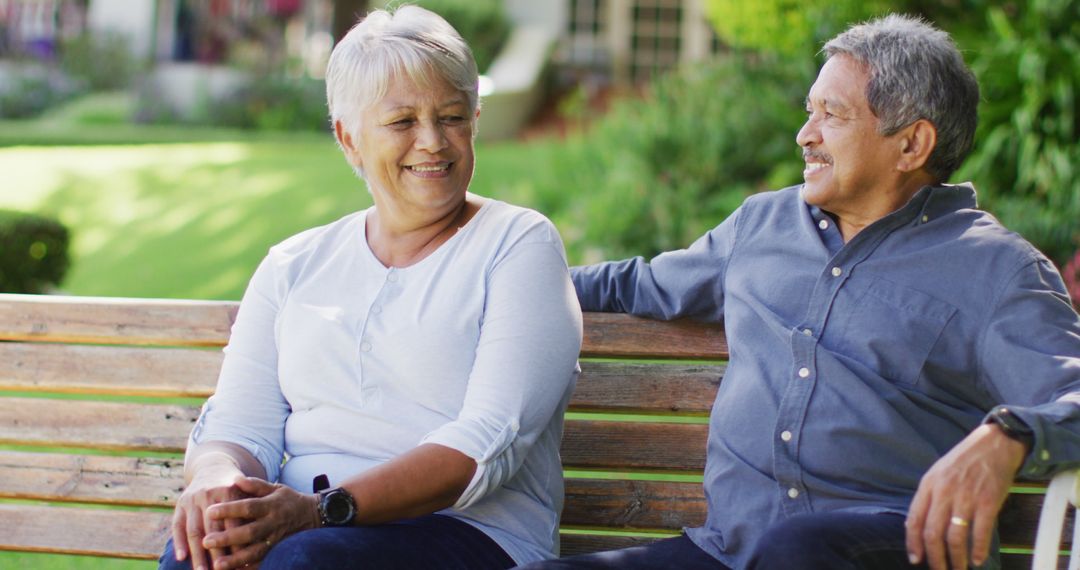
(31, 95)
(33, 252)
(1026, 161)
(103, 62)
(658, 171)
(274, 103)
(482, 23)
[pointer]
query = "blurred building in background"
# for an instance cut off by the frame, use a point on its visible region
(186, 53)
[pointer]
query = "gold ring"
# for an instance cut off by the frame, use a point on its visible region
(958, 521)
(269, 543)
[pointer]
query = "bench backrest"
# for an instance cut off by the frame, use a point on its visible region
(97, 397)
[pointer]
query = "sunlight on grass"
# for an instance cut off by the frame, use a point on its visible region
(193, 220)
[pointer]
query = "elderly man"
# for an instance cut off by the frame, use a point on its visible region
(897, 356)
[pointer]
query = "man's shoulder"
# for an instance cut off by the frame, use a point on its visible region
(980, 234)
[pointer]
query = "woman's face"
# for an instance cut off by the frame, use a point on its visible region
(415, 147)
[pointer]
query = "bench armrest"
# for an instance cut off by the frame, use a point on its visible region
(1063, 492)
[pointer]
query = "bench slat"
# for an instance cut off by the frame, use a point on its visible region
(587, 444)
(630, 446)
(115, 321)
(97, 532)
(100, 425)
(102, 320)
(134, 481)
(181, 372)
(114, 370)
(622, 504)
(646, 388)
(624, 336)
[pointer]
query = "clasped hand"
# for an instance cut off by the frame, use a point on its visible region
(233, 522)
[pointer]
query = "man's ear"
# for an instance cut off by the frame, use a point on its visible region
(917, 141)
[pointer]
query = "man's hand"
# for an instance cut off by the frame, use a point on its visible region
(272, 513)
(958, 500)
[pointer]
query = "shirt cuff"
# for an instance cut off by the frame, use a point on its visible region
(491, 446)
(1040, 460)
(200, 434)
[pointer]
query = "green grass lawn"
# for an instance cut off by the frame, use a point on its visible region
(193, 219)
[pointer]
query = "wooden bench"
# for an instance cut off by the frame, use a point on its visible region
(97, 397)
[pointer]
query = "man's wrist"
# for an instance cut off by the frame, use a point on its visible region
(1012, 426)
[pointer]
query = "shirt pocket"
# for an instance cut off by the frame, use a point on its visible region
(890, 328)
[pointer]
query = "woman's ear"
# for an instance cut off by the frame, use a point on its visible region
(343, 137)
(348, 144)
(917, 143)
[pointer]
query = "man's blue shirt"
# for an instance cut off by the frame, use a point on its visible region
(855, 366)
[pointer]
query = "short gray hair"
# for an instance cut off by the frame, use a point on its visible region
(409, 40)
(916, 72)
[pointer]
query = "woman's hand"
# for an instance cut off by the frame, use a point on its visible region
(271, 513)
(211, 485)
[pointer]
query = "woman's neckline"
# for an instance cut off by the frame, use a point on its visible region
(484, 203)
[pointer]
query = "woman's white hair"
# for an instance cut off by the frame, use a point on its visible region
(409, 40)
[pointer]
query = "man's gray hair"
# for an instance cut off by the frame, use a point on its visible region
(410, 41)
(916, 72)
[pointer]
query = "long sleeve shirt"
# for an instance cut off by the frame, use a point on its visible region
(855, 366)
(339, 364)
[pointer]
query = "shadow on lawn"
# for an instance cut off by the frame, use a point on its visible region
(196, 229)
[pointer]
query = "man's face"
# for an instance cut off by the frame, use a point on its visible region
(850, 168)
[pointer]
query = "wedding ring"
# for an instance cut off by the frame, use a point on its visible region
(958, 521)
(270, 543)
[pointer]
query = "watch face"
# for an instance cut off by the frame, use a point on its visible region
(338, 506)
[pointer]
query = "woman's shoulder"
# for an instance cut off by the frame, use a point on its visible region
(311, 240)
(498, 218)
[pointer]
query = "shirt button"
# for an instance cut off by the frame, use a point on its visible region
(365, 347)
(807, 332)
(823, 224)
(376, 309)
(392, 278)
(793, 493)
(1044, 455)
(837, 272)
(785, 435)
(925, 219)
(804, 372)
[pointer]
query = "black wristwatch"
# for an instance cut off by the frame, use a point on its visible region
(1013, 426)
(336, 506)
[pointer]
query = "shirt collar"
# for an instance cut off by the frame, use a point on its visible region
(929, 203)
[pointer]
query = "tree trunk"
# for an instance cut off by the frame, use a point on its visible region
(346, 14)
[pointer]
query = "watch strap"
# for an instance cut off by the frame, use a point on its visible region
(1012, 426)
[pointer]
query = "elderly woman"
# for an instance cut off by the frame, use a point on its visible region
(392, 392)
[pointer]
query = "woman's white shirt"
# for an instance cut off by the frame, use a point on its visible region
(340, 364)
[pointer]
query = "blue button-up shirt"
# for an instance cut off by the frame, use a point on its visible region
(855, 366)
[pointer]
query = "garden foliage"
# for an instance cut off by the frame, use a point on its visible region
(658, 171)
(482, 23)
(1026, 161)
(33, 252)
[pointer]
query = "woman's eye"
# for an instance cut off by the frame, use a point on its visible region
(453, 119)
